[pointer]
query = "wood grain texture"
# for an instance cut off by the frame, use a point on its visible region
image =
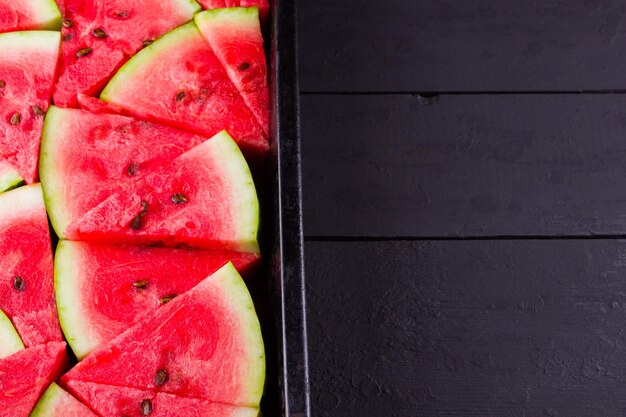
(464, 165)
(447, 45)
(467, 329)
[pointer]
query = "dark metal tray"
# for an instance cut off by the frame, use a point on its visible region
(281, 306)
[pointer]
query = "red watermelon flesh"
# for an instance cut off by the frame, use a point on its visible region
(235, 36)
(25, 95)
(179, 81)
(25, 375)
(95, 105)
(29, 15)
(56, 402)
(99, 36)
(204, 198)
(263, 5)
(205, 344)
(102, 289)
(86, 157)
(26, 272)
(112, 401)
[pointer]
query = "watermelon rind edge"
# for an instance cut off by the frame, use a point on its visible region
(51, 185)
(237, 170)
(68, 298)
(10, 180)
(228, 14)
(237, 293)
(49, 14)
(172, 37)
(10, 339)
(47, 402)
(30, 39)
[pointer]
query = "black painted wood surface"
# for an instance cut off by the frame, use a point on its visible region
(468, 329)
(463, 247)
(455, 45)
(464, 165)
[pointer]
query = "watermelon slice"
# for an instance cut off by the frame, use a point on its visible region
(19, 391)
(112, 401)
(24, 95)
(235, 36)
(26, 273)
(56, 402)
(29, 15)
(102, 290)
(9, 177)
(10, 341)
(263, 5)
(86, 157)
(99, 36)
(205, 344)
(204, 198)
(179, 81)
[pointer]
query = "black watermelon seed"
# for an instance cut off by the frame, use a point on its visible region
(144, 208)
(99, 33)
(67, 23)
(38, 111)
(83, 52)
(135, 223)
(3, 84)
(141, 285)
(166, 299)
(180, 96)
(132, 169)
(18, 283)
(244, 66)
(68, 37)
(160, 378)
(146, 407)
(178, 199)
(15, 119)
(147, 42)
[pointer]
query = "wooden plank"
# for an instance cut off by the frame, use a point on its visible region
(478, 45)
(467, 329)
(466, 165)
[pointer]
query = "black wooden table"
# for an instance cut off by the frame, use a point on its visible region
(465, 206)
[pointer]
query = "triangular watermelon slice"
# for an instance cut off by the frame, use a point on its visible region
(112, 401)
(235, 36)
(9, 177)
(99, 36)
(29, 15)
(263, 5)
(56, 402)
(25, 95)
(205, 344)
(102, 290)
(86, 157)
(26, 284)
(204, 198)
(179, 81)
(10, 341)
(25, 375)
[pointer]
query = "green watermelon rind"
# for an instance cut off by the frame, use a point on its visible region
(66, 280)
(50, 181)
(236, 292)
(146, 55)
(228, 15)
(9, 178)
(26, 40)
(48, 402)
(49, 15)
(10, 341)
(191, 7)
(236, 169)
